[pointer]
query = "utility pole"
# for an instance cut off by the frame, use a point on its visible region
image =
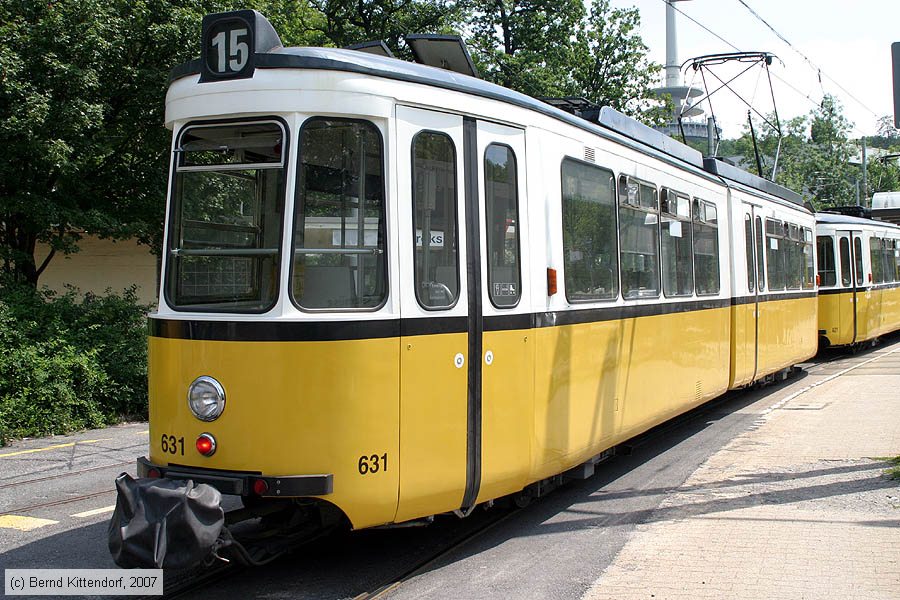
(865, 185)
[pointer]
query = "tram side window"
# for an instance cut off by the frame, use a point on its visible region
(589, 232)
(638, 232)
(858, 256)
(339, 225)
(748, 248)
(775, 254)
(760, 255)
(502, 219)
(434, 220)
(888, 261)
(875, 254)
(809, 260)
(897, 260)
(706, 247)
(793, 256)
(846, 276)
(676, 242)
(225, 230)
(825, 247)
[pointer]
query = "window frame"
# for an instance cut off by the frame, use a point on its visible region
(383, 226)
(645, 210)
(175, 168)
(705, 223)
(487, 248)
(615, 210)
(412, 150)
(823, 254)
(673, 216)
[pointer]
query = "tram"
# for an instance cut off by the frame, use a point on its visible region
(396, 291)
(859, 273)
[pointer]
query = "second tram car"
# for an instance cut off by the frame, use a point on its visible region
(859, 276)
(402, 291)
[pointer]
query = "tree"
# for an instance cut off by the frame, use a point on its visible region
(613, 68)
(527, 45)
(81, 98)
(344, 22)
(814, 158)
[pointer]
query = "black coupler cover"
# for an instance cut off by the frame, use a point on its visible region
(161, 523)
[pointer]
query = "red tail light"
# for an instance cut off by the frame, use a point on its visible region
(260, 487)
(206, 444)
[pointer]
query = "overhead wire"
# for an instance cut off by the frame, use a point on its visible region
(806, 58)
(733, 47)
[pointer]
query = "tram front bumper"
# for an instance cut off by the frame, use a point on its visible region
(243, 483)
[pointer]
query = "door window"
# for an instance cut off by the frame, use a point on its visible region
(502, 219)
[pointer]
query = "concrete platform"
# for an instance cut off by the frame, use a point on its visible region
(799, 506)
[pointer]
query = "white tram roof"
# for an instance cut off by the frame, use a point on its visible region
(613, 125)
(827, 218)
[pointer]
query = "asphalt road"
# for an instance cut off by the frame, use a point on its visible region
(56, 497)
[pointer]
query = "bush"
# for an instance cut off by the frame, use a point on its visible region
(69, 362)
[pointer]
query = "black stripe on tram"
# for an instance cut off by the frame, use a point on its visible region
(473, 279)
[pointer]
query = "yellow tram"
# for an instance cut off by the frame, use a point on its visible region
(859, 277)
(403, 291)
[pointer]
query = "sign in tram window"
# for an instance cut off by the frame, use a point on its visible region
(827, 274)
(339, 230)
(589, 232)
(706, 247)
(639, 236)
(676, 244)
(435, 220)
(225, 233)
(501, 201)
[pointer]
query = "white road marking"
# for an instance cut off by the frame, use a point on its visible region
(96, 511)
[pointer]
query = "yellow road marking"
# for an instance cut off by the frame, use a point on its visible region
(54, 447)
(96, 511)
(23, 523)
(145, 432)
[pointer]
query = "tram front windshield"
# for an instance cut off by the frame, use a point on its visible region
(226, 218)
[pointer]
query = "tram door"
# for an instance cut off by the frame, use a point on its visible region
(435, 355)
(745, 329)
(507, 351)
(848, 261)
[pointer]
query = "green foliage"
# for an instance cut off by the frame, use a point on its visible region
(814, 158)
(69, 362)
(558, 48)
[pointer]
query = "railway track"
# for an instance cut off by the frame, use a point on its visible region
(116, 465)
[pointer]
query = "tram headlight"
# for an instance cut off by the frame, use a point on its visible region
(206, 398)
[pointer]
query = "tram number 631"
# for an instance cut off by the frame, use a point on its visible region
(372, 464)
(232, 56)
(172, 445)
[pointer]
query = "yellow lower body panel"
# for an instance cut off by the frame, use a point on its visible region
(787, 333)
(598, 384)
(292, 408)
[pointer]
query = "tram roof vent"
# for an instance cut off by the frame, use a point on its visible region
(376, 47)
(442, 51)
(612, 119)
(576, 105)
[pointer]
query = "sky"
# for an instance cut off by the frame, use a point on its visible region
(849, 41)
